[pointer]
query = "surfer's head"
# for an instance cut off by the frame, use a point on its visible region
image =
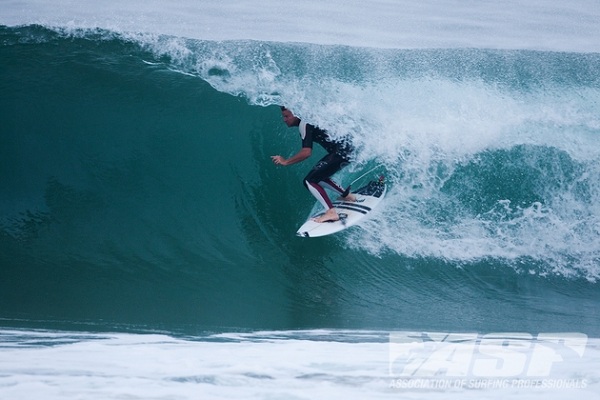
(289, 118)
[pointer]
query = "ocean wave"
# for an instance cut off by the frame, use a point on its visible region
(142, 161)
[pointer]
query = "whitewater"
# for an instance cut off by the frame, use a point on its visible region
(147, 244)
(539, 25)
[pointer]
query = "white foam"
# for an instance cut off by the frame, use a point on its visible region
(273, 365)
(423, 130)
(511, 24)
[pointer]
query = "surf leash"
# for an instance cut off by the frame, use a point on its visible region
(346, 192)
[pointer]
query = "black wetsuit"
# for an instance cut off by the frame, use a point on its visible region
(338, 155)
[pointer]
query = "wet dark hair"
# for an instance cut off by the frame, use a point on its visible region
(283, 108)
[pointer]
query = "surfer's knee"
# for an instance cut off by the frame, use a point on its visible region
(310, 182)
(310, 179)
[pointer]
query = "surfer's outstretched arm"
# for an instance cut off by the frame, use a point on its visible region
(302, 155)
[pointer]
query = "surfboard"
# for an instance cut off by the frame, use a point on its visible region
(351, 213)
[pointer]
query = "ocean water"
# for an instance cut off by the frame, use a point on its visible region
(147, 242)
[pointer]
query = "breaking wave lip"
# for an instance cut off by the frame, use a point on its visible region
(547, 25)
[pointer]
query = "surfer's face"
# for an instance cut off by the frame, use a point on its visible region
(289, 118)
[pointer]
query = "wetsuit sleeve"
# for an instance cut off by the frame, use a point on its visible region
(307, 141)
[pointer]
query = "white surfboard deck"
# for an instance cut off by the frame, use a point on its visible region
(351, 213)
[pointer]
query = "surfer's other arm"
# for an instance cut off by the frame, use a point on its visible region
(302, 155)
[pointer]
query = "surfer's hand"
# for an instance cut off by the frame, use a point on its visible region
(278, 160)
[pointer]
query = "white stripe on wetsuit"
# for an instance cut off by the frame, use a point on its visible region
(318, 191)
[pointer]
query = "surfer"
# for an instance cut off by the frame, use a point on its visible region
(338, 153)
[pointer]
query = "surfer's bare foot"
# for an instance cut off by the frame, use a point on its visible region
(350, 198)
(329, 216)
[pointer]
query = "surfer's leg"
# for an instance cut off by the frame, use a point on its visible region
(317, 190)
(336, 162)
(333, 185)
(321, 172)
